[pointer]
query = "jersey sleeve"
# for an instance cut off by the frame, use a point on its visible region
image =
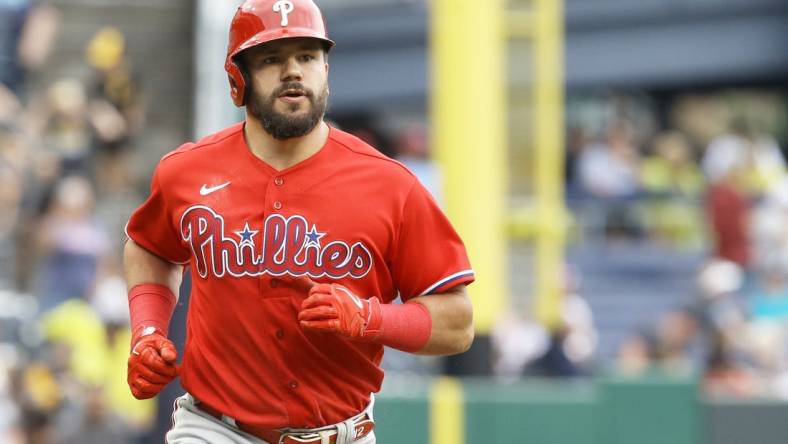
(430, 257)
(150, 226)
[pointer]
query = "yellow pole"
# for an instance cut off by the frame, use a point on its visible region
(447, 412)
(549, 143)
(469, 137)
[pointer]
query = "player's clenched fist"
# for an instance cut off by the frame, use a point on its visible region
(334, 308)
(151, 365)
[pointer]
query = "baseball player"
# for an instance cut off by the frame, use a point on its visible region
(298, 237)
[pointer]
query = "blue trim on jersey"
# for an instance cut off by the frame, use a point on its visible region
(448, 280)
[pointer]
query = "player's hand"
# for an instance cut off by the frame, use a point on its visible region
(334, 308)
(151, 365)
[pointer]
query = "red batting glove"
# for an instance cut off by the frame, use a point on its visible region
(334, 308)
(151, 364)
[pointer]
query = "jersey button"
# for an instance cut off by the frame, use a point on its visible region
(293, 384)
(274, 283)
(280, 334)
(279, 181)
(277, 205)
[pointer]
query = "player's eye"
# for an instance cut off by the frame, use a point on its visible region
(270, 60)
(307, 57)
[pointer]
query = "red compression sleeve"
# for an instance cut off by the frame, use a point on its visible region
(406, 327)
(150, 305)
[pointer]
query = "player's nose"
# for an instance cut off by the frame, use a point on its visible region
(291, 71)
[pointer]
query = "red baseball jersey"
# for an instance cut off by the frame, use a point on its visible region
(347, 214)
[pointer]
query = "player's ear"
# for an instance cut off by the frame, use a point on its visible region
(325, 57)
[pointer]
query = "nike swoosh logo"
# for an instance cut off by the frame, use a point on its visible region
(353, 297)
(206, 190)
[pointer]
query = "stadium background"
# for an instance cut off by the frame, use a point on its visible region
(581, 147)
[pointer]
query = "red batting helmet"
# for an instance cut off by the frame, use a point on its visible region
(260, 21)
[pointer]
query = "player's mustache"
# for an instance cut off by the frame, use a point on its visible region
(293, 87)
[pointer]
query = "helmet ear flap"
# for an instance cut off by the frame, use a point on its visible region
(238, 81)
(247, 82)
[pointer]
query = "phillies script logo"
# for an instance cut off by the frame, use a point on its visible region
(288, 246)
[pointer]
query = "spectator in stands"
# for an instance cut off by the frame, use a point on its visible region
(727, 207)
(636, 355)
(610, 170)
(671, 170)
(672, 182)
(73, 243)
(768, 297)
(767, 351)
(64, 126)
(27, 31)
(724, 319)
(581, 336)
(757, 157)
(725, 376)
(517, 343)
(117, 108)
(39, 396)
(524, 347)
(679, 345)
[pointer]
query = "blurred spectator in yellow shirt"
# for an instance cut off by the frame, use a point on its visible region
(672, 183)
(98, 337)
(671, 169)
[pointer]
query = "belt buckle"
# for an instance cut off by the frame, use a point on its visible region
(362, 426)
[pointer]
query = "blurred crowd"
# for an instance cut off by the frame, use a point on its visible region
(65, 193)
(714, 181)
(707, 178)
(636, 175)
(732, 333)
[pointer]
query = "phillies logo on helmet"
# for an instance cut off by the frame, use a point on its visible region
(289, 245)
(284, 7)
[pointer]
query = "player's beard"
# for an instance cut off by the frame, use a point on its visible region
(284, 126)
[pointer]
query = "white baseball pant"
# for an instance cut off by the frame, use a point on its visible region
(190, 425)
